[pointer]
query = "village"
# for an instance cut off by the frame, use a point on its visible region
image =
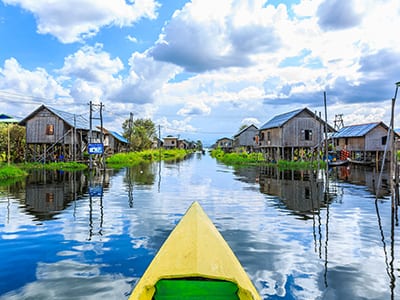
(299, 133)
(55, 135)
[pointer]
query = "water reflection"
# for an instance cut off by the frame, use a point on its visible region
(363, 176)
(298, 235)
(308, 195)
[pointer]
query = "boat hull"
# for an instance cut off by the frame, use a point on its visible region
(195, 250)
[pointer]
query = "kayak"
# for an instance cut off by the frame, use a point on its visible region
(195, 262)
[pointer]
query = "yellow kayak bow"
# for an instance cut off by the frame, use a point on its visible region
(195, 261)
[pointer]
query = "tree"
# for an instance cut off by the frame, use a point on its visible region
(17, 142)
(199, 145)
(140, 134)
(243, 127)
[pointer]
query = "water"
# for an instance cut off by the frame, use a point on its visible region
(66, 236)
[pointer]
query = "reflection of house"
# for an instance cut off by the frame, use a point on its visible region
(364, 141)
(289, 135)
(247, 138)
(225, 144)
(49, 192)
(364, 176)
(299, 190)
(170, 142)
(114, 142)
(53, 134)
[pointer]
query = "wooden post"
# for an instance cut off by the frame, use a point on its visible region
(8, 144)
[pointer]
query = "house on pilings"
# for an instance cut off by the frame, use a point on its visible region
(365, 142)
(55, 135)
(293, 135)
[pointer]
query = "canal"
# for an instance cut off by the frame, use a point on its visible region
(70, 236)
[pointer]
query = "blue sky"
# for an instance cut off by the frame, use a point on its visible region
(200, 69)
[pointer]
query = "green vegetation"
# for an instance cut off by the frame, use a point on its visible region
(140, 133)
(244, 158)
(11, 172)
(16, 142)
(238, 158)
(66, 166)
(134, 158)
(117, 160)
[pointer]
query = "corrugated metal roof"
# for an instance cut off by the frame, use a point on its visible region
(244, 129)
(7, 119)
(355, 130)
(119, 137)
(79, 123)
(279, 120)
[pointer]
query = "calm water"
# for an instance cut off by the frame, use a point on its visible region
(66, 236)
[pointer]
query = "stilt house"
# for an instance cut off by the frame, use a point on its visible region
(114, 142)
(365, 142)
(247, 138)
(53, 134)
(292, 135)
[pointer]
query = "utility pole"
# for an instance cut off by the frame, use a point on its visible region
(100, 149)
(159, 137)
(90, 134)
(130, 128)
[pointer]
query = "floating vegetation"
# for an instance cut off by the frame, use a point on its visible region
(257, 158)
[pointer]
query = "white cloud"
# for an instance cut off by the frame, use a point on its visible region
(75, 20)
(38, 84)
(192, 108)
(91, 64)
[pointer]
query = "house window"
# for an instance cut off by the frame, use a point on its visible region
(268, 136)
(50, 129)
(308, 134)
(262, 136)
(384, 140)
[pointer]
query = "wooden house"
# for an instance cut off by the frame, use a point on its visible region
(53, 134)
(364, 142)
(225, 143)
(183, 144)
(170, 142)
(293, 135)
(247, 138)
(156, 143)
(114, 142)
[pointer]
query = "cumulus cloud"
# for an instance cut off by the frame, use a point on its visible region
(76, 20)
(195, 108)
(91, 64)
(145, 80)
(36, 83)
(208, 35)
(338, 14)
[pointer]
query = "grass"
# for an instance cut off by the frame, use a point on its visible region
(244, 158)
(134, 158)
(8, 173)
(66, 166)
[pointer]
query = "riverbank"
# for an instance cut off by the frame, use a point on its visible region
(244, 158)
(134, 158)
(115, 161)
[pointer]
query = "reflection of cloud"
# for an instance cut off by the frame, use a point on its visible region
(72, 280)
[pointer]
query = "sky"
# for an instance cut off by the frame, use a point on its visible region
(201, 69)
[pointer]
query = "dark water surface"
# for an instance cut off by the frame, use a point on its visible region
(66, 236)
